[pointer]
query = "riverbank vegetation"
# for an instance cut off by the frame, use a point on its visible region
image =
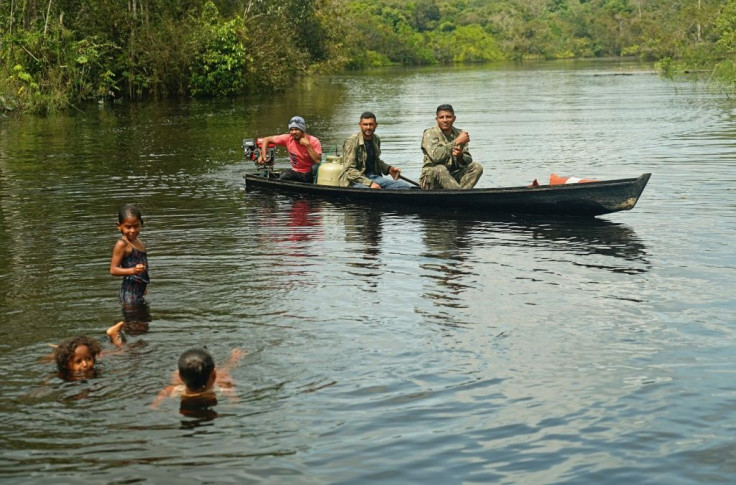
(59, 54)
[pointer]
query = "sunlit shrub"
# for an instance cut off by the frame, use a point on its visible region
(219, 67)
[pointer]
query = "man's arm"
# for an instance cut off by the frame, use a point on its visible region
(264, 146)
(460, 150)
(467, 158)
(437, 150)
(313, 154)
(354, 169)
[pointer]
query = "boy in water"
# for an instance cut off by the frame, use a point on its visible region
(198, 381)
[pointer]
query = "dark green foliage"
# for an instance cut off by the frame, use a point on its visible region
(426, 15)
(57, 54)
(305, 29)
(521, 29)
(219, 67)
(60, 53)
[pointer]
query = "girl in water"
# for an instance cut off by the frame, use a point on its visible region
(129, 256)
(76, 357)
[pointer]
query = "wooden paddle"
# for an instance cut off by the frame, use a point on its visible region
(408, 180)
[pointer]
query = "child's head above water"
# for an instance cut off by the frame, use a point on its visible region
(77, 356)
(196, 368)
(130, 222)
(129, 211)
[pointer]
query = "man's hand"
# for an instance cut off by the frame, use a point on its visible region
(394, 172)
(461, 139)
(264, 150)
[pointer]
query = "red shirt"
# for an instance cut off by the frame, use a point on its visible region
(299, 155)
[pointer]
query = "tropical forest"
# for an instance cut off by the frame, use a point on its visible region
(60, 54)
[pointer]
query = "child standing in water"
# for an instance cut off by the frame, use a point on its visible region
(129, 256)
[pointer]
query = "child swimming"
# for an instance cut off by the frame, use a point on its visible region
(76, 357)
(129, 258)
(198, 381)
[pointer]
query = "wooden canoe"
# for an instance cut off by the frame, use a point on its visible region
(578, 199)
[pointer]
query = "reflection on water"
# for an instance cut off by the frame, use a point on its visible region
(448, 233)
(446, 242)
(199, 417)
(364, 227)
(363, 230)
(446, 238)
(587, 237)
(200, 407)
(137, 317)
(302, 216)
(289, 219)
(595, 237)
(580, 236)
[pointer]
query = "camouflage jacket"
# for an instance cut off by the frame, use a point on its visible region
(354, 157)
(437, 149)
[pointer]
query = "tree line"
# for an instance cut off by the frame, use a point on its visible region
(58, 54)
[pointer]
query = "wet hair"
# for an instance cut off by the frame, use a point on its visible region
(129, 210)
(65, 350)
(367, 115)
(445, 107)
(195, 367)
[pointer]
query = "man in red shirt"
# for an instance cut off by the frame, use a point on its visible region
(305, 151)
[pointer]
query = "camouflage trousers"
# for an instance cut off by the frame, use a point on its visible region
(439, 177)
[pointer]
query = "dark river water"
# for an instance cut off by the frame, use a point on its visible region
(383, 346)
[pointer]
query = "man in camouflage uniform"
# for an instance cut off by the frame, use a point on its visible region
(447, 161)
(361, 157)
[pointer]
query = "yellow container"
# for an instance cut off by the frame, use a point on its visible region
(329, 171)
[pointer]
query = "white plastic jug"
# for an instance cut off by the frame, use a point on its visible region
(329, 171)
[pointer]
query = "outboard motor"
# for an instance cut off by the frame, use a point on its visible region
(252, 151)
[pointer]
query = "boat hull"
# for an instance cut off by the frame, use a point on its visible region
(576, 200)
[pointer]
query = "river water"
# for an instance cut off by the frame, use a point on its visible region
(383, 346)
